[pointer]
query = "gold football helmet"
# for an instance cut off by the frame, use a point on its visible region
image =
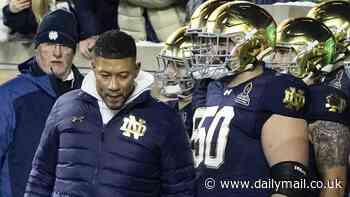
(201, 14)
(336, 16)
(303, 46)
(173, 75)
(236, 32)
(199, 19)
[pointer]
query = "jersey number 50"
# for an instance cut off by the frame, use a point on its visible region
(209, 140)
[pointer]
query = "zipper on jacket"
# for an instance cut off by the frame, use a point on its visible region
(99, 156)
(103, 136)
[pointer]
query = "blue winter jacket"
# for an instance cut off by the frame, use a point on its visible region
(25, 103)
(143, 151)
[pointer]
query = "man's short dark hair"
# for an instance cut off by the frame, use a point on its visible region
(115, 44)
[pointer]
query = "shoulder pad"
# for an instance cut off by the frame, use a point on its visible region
(285, 95)
(327, 103)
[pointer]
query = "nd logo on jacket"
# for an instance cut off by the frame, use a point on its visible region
(132, 126)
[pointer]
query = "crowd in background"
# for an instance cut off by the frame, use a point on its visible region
(64, 133)
(152, 20)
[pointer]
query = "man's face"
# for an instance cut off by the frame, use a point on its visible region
(115, 79)
(175, 70)
(282, 59)
(55, 58)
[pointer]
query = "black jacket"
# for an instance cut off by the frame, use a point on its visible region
(96, 17)
(23, 22)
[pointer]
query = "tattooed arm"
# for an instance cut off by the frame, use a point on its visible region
(331, 143)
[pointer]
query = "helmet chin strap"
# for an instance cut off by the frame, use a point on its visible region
(171, 91)
(186, 95)
(175, 91)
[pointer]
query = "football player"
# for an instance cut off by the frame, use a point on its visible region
(198, 25)
(251, 128)
(174, 82)
(305, 49)
(336, 16)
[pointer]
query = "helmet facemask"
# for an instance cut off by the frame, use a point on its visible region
(298, 59)
(304, 49)
(222, 55)
(232, 40)
(173, 77)
(281, 59)
(336, 16)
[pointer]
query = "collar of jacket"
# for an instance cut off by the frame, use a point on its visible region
(140, 99)
(31, 71)
(58, 86)
(140, 94)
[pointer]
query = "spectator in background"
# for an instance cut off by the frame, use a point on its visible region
(41, 7)
(4, 30)
(27, 100)
(23, 16)
(151, 20)
(94, 17)
(19, 17)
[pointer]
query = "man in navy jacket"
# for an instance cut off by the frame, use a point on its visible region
(111, 138)
(26, 100)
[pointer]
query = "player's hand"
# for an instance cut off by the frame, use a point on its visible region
(16, 6)
(85, 47)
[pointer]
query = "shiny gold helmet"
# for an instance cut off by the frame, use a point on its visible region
(173, 75)
(336, 16)
(199, 19)
(303, 47)
(236, 33)
(201, 14)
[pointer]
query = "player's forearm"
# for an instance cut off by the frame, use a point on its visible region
(331, 142)
(287, 154)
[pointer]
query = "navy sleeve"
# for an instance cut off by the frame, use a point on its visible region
(7, 124)
(42, 176)
(328, 104)
(178, 173)
(23, 22)
(86, 18)
(287, 96)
